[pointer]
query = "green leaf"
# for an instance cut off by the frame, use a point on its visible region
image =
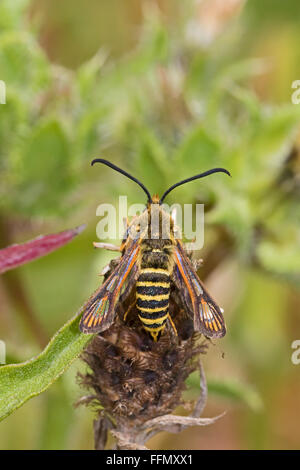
(88, 74)
(12, 14)
(237, 392)
(23, 64)
(20, 382)
(199, 151)
(274, 130)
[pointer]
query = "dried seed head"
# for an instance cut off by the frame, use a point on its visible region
(135, 379)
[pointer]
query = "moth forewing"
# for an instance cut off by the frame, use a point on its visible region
(99, 312)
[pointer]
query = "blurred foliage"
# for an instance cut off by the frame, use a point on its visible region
(229, 389)
(166, 106)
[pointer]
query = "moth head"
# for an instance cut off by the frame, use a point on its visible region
(155, 199)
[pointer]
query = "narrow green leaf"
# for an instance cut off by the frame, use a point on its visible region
(228, 389)
(237, 392)
(20, 382)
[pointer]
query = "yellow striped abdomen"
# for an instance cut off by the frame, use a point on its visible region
(152, 295)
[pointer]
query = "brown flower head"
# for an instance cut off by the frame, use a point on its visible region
(135, 382)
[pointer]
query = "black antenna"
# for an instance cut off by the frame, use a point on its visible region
(201, 175)
(114, 167)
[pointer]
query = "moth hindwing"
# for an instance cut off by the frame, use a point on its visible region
(207, 316)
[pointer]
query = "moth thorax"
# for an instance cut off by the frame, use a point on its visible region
(160, 224)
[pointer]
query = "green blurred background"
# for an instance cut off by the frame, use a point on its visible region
(165, 89)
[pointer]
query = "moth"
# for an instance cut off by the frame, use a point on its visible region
(153, 260)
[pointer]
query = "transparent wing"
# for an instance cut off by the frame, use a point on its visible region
(207, 316)
(99, 311)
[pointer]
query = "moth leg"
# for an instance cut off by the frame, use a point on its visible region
(106, 246)
(104, 270)
(172, 325)
(128, 310)
(109, 267)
